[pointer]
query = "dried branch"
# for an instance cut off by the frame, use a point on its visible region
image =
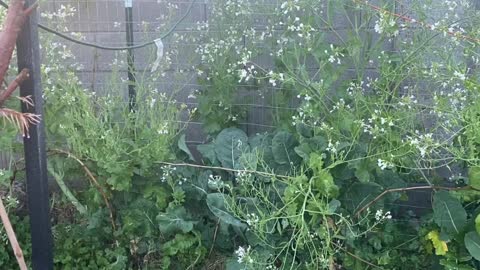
(224, 169)
(21, 77)
(27, 100)
(12, 26)
(20, 120)
(215, 234)
(12, 237)
(385, 192)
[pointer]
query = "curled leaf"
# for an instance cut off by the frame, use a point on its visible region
(440, 246)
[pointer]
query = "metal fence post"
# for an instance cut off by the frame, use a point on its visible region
(130, 54)
(28, 54)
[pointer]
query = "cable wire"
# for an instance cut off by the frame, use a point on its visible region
(94, 45)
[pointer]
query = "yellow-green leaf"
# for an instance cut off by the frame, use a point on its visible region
(474, 177)
(440, 246)
(477, 223)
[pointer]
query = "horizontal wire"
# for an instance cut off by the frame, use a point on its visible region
(94, 45)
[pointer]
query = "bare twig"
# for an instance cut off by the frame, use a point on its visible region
(27, 100)
(16, 16)
(21, 77)
(20, 120)
(223, 169)
(12, 237)
(385, 192)
(215, 234)
(31, 8)
(93, 180)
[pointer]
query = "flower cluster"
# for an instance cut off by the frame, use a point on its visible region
(386, 24)
(63, 12)
(244, 177)
(380, 216)
(332, 147)
(383, 164)
(215, 182)
(274, 77)
(424, 143)
(243, 255)
(377, 124)
(167, 172)
(252, 219)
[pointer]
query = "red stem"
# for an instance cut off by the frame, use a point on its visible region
(22, 76)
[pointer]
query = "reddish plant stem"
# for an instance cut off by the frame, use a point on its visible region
(21, 77)
(16, 17)
(412, 20)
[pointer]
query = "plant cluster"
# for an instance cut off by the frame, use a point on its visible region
(387, 105)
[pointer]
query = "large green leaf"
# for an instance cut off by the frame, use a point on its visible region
(183, 146)
(262, 145)
(304, 151)
(363, 169)
(477, 223)
(216, 204)
(321, 179)
(304, 130)
(448, 213)
(208, 152)
(229, 146)
(360, 194)
(472, 243)
(175, 220)
(389, 179)
(283, 148)
(317, 143)
(233, 264)
(474, 177)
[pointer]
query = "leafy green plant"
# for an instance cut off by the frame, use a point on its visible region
(323, 189)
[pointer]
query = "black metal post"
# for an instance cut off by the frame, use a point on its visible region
(28, 54)
(130, 55)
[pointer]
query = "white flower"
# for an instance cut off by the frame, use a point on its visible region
(252, 219)
(332, 148)
(383, 164)
(163, 130)
(378, 27)
(460, 75)
(424, 143)
(379, 215)
(272, 82)
(243, 255)
(331, 59)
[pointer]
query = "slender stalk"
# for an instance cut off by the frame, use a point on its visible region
(12, 237)
(94, 182)
(385, 192)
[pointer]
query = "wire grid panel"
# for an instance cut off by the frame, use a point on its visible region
(103, 22)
